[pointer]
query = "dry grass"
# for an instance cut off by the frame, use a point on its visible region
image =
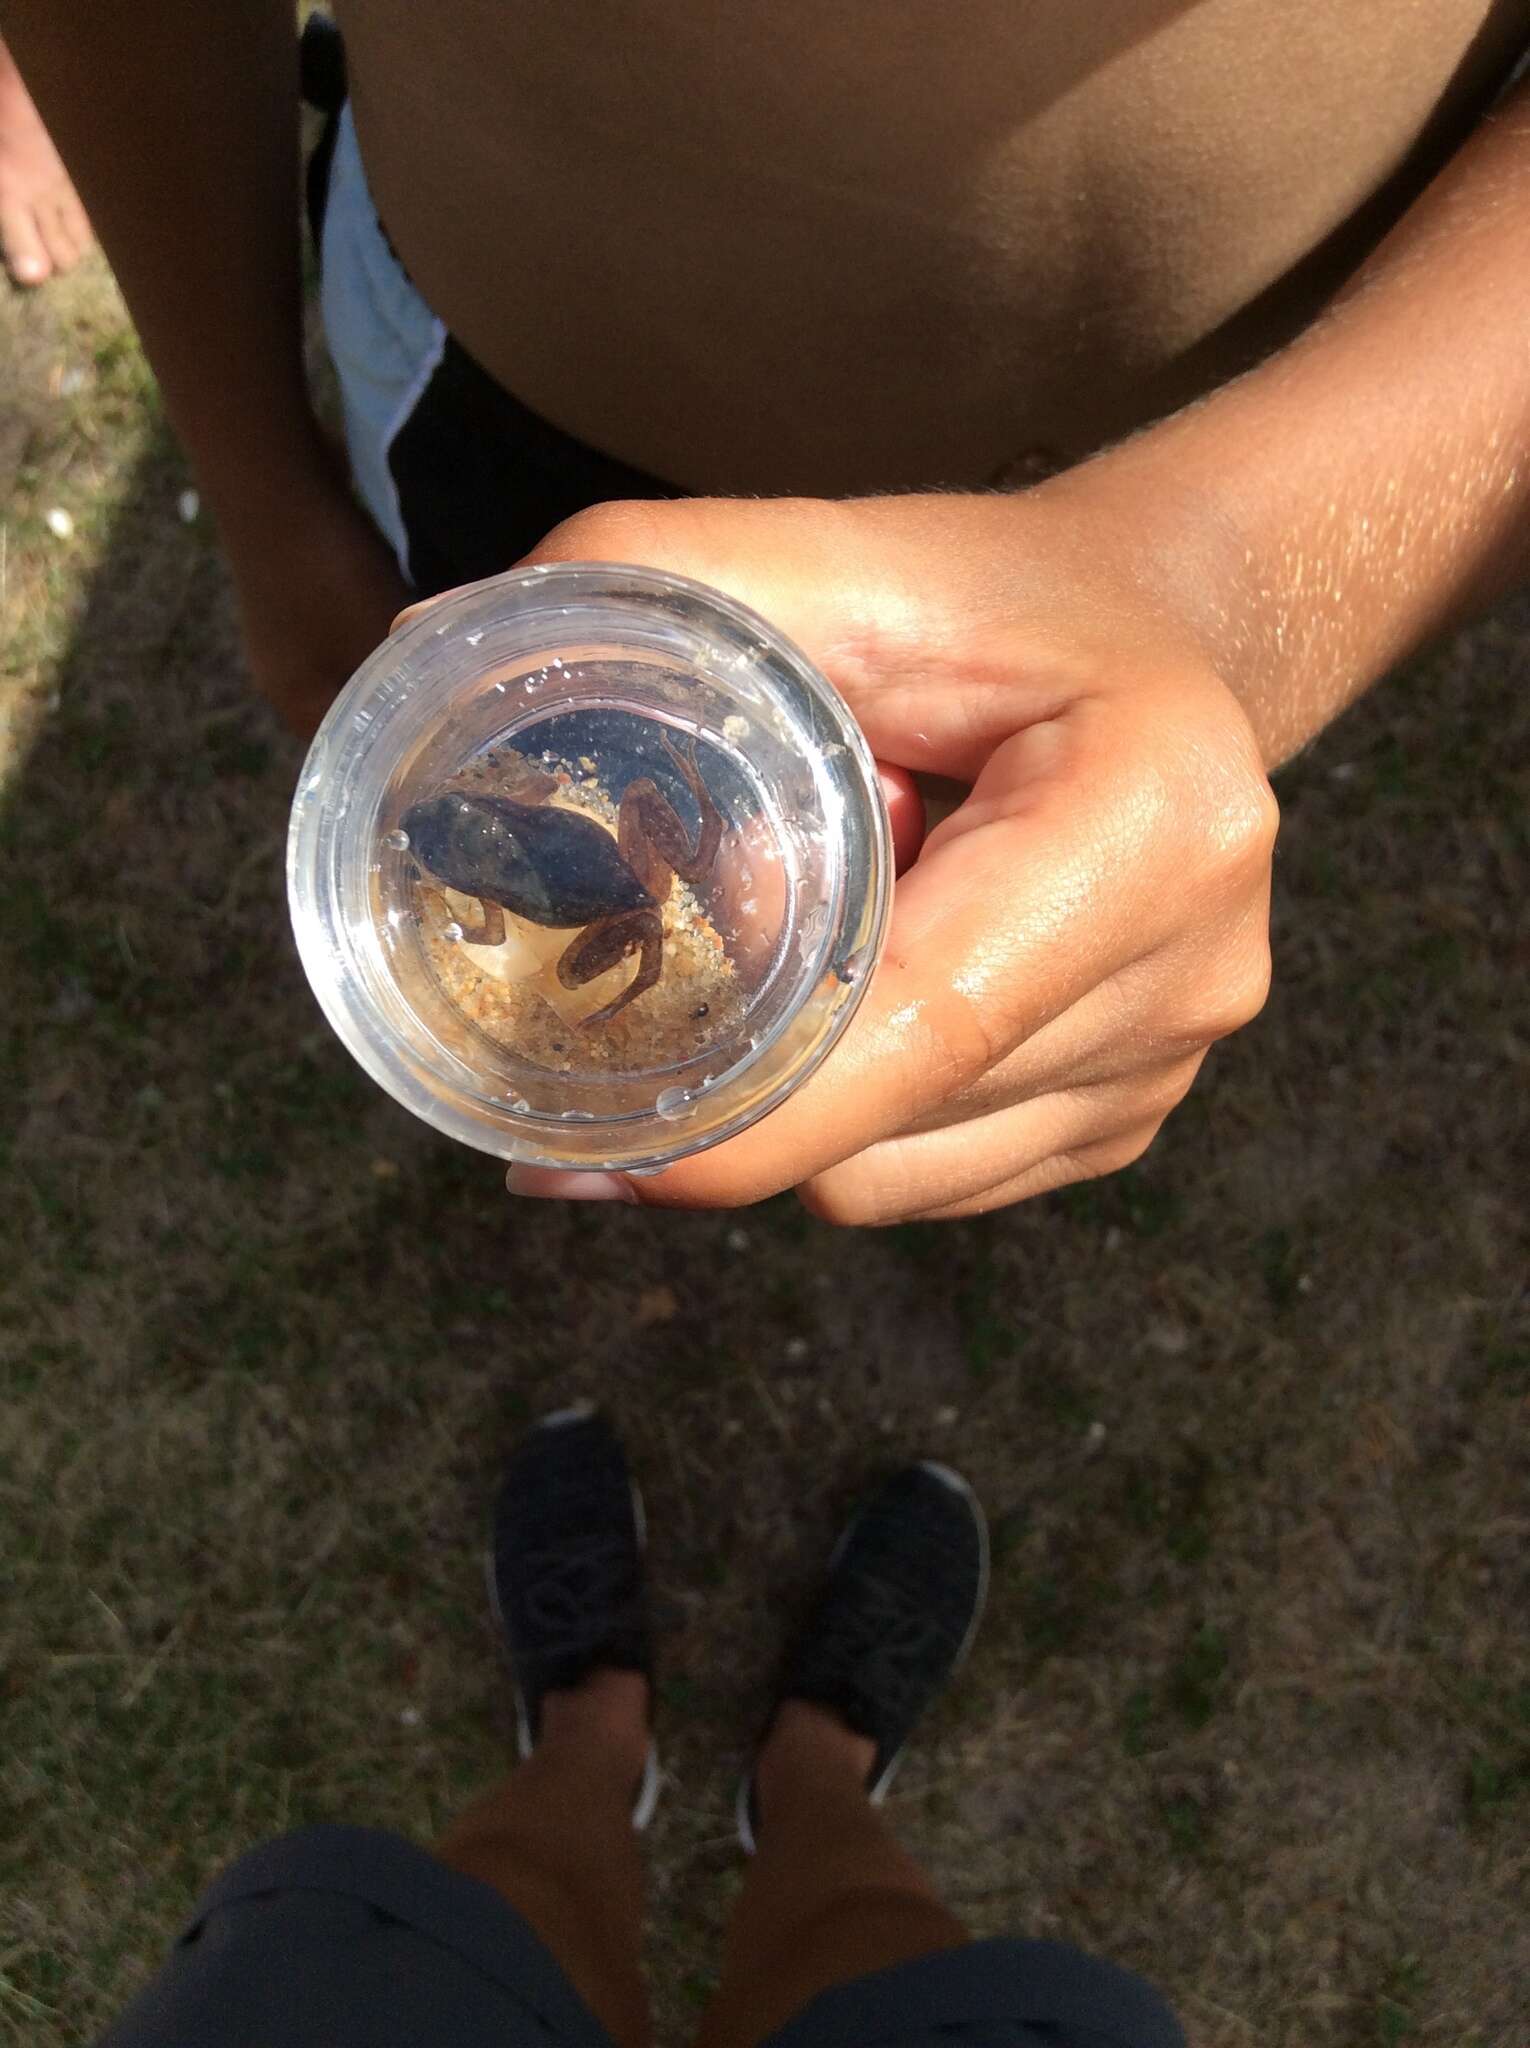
(1252, 1708)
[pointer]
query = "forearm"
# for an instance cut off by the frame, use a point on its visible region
(1369, 486)
(178, 122)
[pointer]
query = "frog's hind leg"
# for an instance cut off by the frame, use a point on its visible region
(651, 838)
(490, 929)
(601, 945)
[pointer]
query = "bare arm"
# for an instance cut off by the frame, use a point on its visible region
(1369, 486)
(179, 124)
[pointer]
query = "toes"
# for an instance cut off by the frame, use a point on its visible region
(22, 247)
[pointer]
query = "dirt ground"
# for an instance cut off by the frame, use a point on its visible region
(1251, 1710)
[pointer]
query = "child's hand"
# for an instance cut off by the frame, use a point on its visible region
(1075, 936)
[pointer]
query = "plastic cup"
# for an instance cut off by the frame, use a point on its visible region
(507, 725)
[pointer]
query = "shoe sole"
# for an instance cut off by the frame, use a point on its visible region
(651, 1782)
(744, 1801)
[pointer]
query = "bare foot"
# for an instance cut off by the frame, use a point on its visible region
(43, 228)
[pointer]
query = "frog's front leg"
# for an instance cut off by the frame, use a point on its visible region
(601, 945)
(651, 838)
(489, 931)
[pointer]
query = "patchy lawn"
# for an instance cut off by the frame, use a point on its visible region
(1252, 1707)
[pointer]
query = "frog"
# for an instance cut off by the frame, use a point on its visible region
(561, 868)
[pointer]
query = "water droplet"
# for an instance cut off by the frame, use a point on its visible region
(500, 688)
(577, 1116)
(398, 840)
(472, 639)
(529, 685)
(519, 1104)
(853, 969)
(746, 877)
(735, 727)
(672, 1104)
(452, 933)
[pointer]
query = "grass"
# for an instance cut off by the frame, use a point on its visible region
(1249, 1711)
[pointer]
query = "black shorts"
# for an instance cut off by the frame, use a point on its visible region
(343, 1937)
(481, 478)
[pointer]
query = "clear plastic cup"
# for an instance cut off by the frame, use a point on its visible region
(549, 788)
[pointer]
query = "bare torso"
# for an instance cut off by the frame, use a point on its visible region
(778, 245)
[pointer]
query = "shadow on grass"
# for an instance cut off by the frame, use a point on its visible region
(264, 1337)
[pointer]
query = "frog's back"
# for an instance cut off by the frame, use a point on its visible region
(538, 861)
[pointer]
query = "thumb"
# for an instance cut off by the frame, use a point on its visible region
(790, 559)
(817, 569)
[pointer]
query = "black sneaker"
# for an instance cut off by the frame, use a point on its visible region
(902, 1602)
(566, 1569)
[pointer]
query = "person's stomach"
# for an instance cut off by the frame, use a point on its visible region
(750, 249)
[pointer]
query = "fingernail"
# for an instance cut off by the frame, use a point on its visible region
(422, 605)
(548, 1184)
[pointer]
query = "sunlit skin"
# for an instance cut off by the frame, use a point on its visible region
(43, 229)
(1067, 230)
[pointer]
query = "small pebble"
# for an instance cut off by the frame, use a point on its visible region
(59, 523)
(1094, 1436)
(410, 1717)
(737, 1240)
(944, 1417)
(188, 505)
(797, 1349)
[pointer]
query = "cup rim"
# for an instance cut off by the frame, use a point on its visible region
(337, 810)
